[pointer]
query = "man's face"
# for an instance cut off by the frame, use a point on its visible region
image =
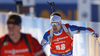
(56, 26)
(13, 30)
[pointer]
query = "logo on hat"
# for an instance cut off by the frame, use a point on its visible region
(53, 20)
(11, 20)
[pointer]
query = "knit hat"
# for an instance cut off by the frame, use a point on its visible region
(14, 19)
(55, 18)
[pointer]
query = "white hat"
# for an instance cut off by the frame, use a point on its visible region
(55, 18)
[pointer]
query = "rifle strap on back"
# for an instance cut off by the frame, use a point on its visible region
(65, 29)
(51, 36)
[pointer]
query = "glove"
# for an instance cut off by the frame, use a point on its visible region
(94, 34)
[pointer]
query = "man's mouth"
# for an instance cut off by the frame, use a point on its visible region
(11, 34)
(55, 29)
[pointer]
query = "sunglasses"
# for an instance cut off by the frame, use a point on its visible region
(56, 24)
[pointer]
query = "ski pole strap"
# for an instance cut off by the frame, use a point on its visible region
(78, 30)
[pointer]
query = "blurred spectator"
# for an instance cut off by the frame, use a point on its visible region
(16, 43)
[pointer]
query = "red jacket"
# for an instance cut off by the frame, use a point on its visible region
(20, 49)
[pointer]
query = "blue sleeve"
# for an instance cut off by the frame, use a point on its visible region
(46, 36)
(73, 27)
(45, 40)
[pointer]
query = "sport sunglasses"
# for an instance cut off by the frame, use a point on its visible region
(56, 24)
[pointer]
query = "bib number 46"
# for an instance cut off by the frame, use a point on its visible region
(60, 47)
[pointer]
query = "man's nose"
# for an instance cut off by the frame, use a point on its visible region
(10, 29)
(54, 26)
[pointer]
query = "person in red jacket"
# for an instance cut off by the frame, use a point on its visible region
(16, 43)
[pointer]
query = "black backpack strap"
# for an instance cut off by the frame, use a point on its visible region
(27, 43)
(4, 40)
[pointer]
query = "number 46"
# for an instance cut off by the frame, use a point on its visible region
(60, 47)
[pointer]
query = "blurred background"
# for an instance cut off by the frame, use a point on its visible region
(35, 20)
